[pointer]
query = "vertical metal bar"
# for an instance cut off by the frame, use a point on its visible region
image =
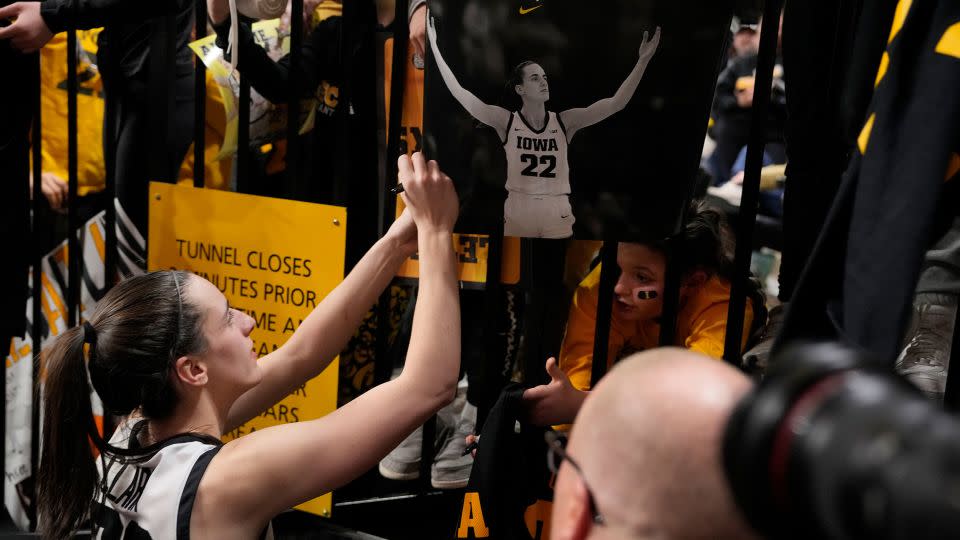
(401, 37)
(671, 291)
(751, 181)
(492, 314)
(951, 394)
(200, 98)
(110, 190)
(74, 255)
(39, 241)
(243, 137)
(601, 333)
(388, 201)
(292, 187)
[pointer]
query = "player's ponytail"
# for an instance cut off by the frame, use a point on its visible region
(67, 476)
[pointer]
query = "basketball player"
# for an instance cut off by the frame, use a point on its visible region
(535, 140)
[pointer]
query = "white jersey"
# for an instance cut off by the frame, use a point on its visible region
(152, 499)
(537, 159)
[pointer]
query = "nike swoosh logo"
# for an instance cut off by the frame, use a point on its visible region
(524, 11)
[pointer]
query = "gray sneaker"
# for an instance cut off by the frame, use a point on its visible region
(925, 358)
(403, 463)
(451, 469)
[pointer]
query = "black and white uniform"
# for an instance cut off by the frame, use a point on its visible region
(152, 499)
(538, 179)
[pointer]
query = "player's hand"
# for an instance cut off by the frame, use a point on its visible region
(428, 193)
(556, 402)
(418, 28)
(649, 46)
(29, 32)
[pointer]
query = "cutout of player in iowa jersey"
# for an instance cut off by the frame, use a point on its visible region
(535, 140)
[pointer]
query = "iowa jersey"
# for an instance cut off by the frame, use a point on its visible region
(537, 159)
(151, 499)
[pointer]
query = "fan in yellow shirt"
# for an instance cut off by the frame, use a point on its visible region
(53, 103)
(706, 267)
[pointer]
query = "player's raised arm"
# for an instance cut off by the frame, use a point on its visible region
(492, 115)
(575, 119)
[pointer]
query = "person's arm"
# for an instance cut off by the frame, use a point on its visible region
(496, 117)
(272, 79)
(576, 119)
(63, 15)
(328, 328)
(417, 18)
(254, 477)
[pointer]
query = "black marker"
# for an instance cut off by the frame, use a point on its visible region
(398, 189)
(470, 448)
(646, 295)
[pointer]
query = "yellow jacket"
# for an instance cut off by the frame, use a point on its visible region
(701, 327)
(53, 105)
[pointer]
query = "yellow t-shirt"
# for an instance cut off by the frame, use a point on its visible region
(701, 327)
(91, 174)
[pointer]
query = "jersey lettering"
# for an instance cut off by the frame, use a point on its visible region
(538, 145)
(131, 496)
(471, 517)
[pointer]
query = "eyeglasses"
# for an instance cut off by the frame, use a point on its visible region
(556, 454)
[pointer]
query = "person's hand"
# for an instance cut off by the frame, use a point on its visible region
(745, 97)
(737, 178)
(29, 32)
(54, 189)
(743, 91)
(470, 440)
(418, 28)
(556, 402)
(404, 232)
(428, 193)
(649, 46)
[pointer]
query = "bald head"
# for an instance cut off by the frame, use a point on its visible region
(649, 442)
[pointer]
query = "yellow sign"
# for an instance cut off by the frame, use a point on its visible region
(273, 259)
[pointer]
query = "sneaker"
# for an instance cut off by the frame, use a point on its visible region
(757, 359)
(925, 359)
(451, 469)
(403, 463)
(730, 192)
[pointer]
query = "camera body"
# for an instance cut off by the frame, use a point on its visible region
(831, 446)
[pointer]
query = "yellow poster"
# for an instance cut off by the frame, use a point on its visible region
(273, 259)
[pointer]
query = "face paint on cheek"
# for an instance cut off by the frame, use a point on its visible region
(646, 294)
